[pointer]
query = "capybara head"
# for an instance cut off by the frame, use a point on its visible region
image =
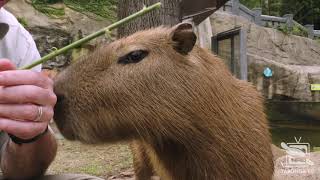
(189, 116)
(133, 78)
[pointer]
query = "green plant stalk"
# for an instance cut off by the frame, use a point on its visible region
(103, 31)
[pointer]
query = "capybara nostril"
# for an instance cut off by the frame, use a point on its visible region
(58, 108)
(60, 98)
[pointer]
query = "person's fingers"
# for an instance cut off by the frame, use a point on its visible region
(22, 129)
(27, 112)
(24, 77)
(25, 94)
(6, 65)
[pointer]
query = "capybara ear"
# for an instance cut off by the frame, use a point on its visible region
(184, 38)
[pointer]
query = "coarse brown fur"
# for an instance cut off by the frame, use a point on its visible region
(186, 116)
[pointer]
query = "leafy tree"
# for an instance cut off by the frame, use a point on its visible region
(305, 12)
(251, 3)
(271, 7)
(102, 8)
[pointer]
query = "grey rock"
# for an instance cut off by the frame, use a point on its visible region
(49, 39)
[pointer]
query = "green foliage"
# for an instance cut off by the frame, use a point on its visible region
(284, 28)
(22, 21)
(44, 7)
(271, 7)
(102, 8)
(297, 30)
(251, 3)
(268, 25)
(49, 1)
(305, 12)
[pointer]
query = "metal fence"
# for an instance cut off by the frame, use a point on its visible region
(255, 15)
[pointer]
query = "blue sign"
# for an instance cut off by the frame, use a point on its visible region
(267, 72)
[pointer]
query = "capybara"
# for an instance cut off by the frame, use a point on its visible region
(186, 116)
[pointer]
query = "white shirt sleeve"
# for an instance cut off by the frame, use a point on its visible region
(18, 44)
(31, 55)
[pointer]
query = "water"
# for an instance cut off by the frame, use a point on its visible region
(291, 120)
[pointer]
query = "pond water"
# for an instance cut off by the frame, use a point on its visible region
(291, 121)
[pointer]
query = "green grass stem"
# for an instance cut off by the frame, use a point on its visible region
(103, 31)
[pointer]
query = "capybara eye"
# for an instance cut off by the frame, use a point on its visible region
(133, 57)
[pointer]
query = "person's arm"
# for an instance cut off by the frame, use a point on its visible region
(21, 94)
(28, 160)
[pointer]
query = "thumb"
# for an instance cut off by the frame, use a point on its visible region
(6, 64)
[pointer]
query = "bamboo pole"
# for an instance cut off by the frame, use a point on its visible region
(103, 31)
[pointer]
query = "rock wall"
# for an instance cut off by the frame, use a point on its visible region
(295, 60)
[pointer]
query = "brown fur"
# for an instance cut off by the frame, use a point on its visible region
(185, 114)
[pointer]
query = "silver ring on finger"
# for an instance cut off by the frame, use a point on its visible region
(39, 114)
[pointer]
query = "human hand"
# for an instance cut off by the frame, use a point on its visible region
(22, 93)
